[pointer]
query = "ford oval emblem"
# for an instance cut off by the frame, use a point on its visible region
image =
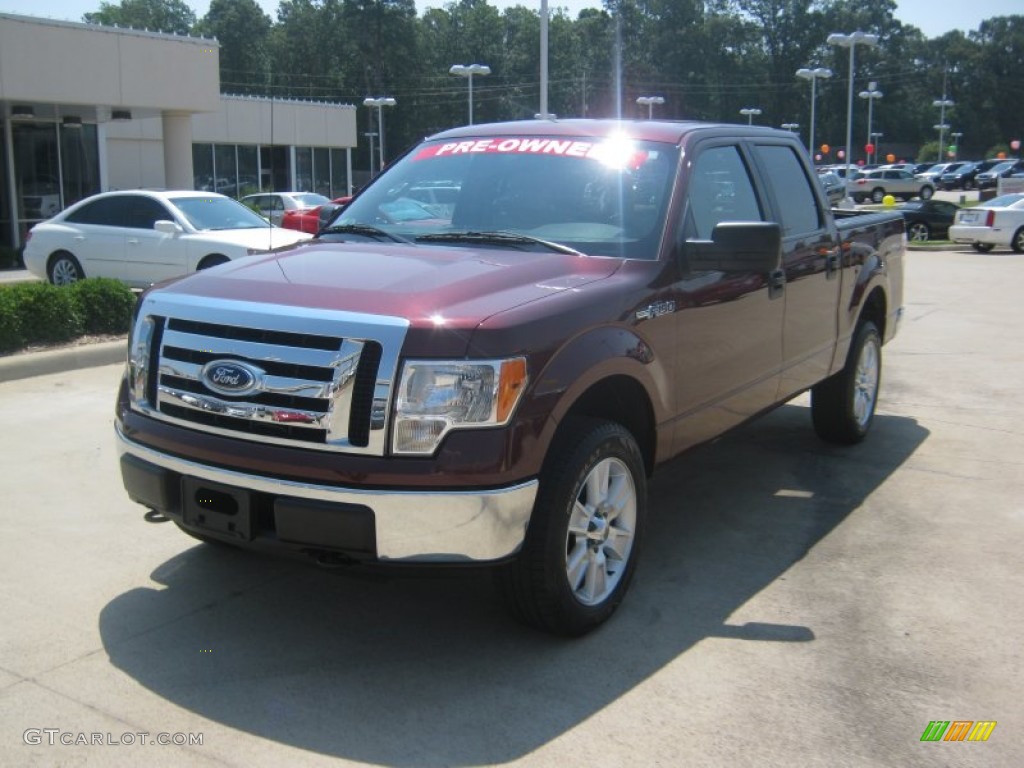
(230, 377)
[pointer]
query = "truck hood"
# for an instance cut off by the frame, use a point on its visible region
(428, 285)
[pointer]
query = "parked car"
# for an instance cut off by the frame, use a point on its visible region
(965, 176)
(990, 178)
(311, 220)
(933, 173)
(910, 167)
(928, 219)
(997, 222)
(835, 189)
(142, 236)
(875, 185)
(274, 206)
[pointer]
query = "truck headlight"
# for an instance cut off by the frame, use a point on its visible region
(435, 397)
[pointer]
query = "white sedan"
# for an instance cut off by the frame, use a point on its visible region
(998, 222)
(142, 237)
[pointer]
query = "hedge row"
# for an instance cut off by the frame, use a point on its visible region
(40, 313)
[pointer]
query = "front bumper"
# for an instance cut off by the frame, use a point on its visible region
(272, 514)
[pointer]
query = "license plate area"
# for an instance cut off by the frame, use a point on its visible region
(217, 508)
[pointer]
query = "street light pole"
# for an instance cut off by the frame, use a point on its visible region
(791, 127)
(875, 136)
(379, 102)
(870, 94)
(941, 127)
(650, 101)
(750, 112)
(467, 71)
(813, 75)
(851, 41)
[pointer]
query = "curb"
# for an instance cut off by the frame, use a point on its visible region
(60, 360)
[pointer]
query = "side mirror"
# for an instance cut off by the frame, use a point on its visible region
(327, 212)
(167, 227)
(737, 246)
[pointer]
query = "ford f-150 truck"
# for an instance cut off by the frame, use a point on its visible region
(493, 381)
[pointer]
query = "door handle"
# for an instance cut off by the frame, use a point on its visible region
(79, 237)
(133, 241)
(776, 283)
(832, 266)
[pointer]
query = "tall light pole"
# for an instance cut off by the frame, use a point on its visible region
(467, 71)
(956, 136)
(649, 102)
(749, 112)
(851, 41)
(875, 136)
(942, 127)
(813, 75)
(870, 94)
(379, 102)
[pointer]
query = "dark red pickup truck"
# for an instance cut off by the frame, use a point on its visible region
(486, 354)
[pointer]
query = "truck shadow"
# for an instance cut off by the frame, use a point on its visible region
(430, 671)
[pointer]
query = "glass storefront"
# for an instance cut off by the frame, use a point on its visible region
(53, 166)
(237, 170)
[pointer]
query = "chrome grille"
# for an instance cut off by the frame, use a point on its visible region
(323, 379)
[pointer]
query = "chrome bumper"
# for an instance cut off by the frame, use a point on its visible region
(411, 526)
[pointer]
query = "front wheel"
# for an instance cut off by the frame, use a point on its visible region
(982, 247)
(582, 543)
(843, 406)
(918, 232)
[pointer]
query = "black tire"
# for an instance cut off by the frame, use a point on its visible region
(212, 261)
(580, 552)
(918, 232)
(1017, 242)
(843, 406)
(982, 247)
(926, 192)
(64, 269)
(877, 195)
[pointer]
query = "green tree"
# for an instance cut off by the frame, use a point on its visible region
(157, 15)
(243, 31)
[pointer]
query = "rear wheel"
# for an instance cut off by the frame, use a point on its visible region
(1017, 243)
(64, 269)
(843, 406)
(877, 195)
(918, 232)
(582, 542)
(982, 247)
(927, 192)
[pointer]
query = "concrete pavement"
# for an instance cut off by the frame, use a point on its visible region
(797, 604)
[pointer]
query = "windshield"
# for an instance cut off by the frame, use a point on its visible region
(309, 200)
(600, 197)
(1005, 201)
(209, 213)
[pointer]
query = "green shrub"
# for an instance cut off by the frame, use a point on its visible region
(11, 337)
(106, 305)
(48, 314)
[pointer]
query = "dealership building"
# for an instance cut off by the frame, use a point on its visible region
(109, 108)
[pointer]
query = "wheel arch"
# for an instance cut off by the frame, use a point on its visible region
(609, 373)
(212, 260)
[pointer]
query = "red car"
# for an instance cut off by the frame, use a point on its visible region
(312, 219)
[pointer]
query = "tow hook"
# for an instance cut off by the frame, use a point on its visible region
(331, 560)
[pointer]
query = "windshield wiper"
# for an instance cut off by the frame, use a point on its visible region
(362, 229)
(495, 238)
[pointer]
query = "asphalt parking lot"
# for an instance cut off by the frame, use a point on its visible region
(797, 604)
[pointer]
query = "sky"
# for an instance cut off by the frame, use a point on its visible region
(933, 17)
